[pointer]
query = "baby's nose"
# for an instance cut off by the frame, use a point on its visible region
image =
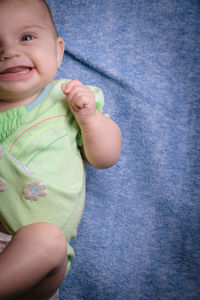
(7, 53)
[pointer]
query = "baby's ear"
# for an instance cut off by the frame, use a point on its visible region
(60, 50)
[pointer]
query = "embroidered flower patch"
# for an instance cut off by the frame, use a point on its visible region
(2, 185)
(1, 151)
(34, 190)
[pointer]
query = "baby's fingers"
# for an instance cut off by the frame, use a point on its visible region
(78, 103)
(67, 87)
(81, 99)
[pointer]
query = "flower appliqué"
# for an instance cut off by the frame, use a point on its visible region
(2, 185)
(1, 151)
(34, 190)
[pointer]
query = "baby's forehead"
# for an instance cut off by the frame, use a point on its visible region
(36, 5)
(37, 8)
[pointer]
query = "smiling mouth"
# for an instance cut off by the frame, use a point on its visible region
(20, 69)
(15, 73)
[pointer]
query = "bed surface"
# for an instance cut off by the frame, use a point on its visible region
(139, 235)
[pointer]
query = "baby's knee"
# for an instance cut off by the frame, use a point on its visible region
(48, 237)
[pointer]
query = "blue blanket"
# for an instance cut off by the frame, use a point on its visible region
(140, 233)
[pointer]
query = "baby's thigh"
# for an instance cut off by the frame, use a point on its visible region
(42, 235)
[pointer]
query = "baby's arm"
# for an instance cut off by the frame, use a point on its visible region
(101, 136)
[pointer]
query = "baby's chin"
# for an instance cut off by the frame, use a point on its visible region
(16, 98)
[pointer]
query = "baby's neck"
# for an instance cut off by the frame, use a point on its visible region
(9, 104)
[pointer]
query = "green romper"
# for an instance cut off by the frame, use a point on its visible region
(42, 174)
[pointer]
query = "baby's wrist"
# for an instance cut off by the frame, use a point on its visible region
(89, 121)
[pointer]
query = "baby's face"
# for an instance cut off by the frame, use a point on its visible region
(30, 51)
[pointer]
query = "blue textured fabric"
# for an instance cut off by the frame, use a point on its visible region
(140, 234)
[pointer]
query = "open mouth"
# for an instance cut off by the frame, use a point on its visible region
(16, 72)
(20, 69)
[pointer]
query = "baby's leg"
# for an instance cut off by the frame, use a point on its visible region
(33, 265)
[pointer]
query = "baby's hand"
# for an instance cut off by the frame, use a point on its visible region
(80, 99)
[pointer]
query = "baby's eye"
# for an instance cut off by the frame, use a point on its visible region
(27, 37)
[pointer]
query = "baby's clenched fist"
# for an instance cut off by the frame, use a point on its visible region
(81, 100)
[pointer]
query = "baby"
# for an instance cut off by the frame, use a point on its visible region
(47, 130)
